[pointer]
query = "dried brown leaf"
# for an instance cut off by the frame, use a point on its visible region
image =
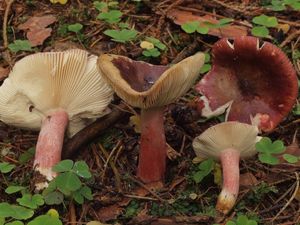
(37, 22)
(36, 29)
(230, 31)
(4, 71)
(37, 37)
(248, 180)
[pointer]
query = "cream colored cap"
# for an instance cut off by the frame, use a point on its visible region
(43, 82)
(172, 82)
(240, 136)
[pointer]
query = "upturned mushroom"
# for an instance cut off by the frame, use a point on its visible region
(53, 92)
(227, 142)
(254, 79)
(150, 88)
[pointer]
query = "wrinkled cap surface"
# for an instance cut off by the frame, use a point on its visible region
(240, 136)
(145, 85)
(43, 82)
(256, 77)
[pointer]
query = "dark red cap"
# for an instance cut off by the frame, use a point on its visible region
(256, 76)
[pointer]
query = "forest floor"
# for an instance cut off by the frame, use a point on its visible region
(268, 194)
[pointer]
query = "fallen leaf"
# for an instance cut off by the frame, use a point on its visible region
(38, 37)
(230, 31)
(4, 71)
(248, 180)
(37, 22)
(36, 29)
(109, 213)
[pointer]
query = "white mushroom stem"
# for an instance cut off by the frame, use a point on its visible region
(50, 142)
(153, 148)
(230, 159)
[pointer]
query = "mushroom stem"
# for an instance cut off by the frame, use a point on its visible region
(153, 149)
(50, 142)
(230, 159)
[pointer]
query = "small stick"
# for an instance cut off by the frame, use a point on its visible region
(291, 199)
(92, 131)
(4, 33)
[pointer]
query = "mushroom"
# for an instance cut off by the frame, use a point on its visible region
(227, 142)
(254, 79)
(53, 91)
(150, 87)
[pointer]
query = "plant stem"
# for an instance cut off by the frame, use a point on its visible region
(153, 148)
(49, 144)
(230, 159)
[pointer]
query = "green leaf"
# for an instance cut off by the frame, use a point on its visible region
(82, 169)
(190, 27)
(260, 31)
(31, 201)
(296, 110)
(86, 192)
(45, 220)
(122, 35)
(252, 222)
(15, 223)
(268, 21)
(112, 16)
(14, 211)
(67, 182)
(76, 27)
(224, 21)
(54, 198)
(205, 68)
(242, 220)
(26, 156)
(205, 168)
(156, 43)
(100, 5)
(13, 189)
(207, 57)
(123, 25)
(63, 166)
(268, 159)
(78, 197)
(202, 29)
(153, 52)
(290, 158)
(295, 6)
(20, 45)
(230, 223)
(5, 167)
(265, 145)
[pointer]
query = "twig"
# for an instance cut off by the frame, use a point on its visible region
(72, 214)
(114, 169)
(290, 38)
(291, 199)
(91, 132)
(4, 33)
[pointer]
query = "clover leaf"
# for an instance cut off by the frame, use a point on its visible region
(267, 21)
(204, 169)
(121, 35)
(76, 27)
(20, 45)
(112, 16)
(267, 149)
(14, 211)
(6, 167)
(260, 31)
(31, 201)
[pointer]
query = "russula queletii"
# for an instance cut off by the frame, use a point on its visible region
(255, 79)
(53, 92)
(227, 142)
(150, 88)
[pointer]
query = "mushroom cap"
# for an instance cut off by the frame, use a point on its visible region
(239, 136)
(145, 85)
(257, 77)
(44, 82)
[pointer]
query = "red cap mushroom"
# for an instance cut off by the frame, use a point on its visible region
(150, 88)
(255, 79)
(53, 92)
(227, 142)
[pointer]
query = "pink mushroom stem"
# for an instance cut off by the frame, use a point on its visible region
(153, 148)
(230, 159)
(50, 142)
